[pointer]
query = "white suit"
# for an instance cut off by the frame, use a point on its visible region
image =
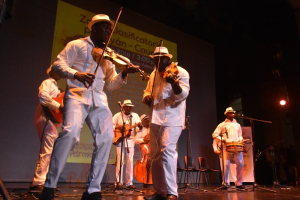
(166, 124)
(130, 121)
(84, 104)
(47, 130)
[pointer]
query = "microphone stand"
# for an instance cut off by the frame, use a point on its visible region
(255, 185)
(188, 144)
(223, 186)
(119, 185)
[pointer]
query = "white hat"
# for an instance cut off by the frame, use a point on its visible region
(127, 102)
(144, 117)
(229, 109)
(99, 18)
(49, 69)
(161, 51)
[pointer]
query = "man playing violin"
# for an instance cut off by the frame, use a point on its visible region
(166, 94)
(129, 119)
(231, 131)
(85, 100)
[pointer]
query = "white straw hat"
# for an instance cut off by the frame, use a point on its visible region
(99, 18)
(161, 51)
(127, 102)
(229, 109)
(144, 117)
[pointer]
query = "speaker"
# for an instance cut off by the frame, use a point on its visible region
(3, 191)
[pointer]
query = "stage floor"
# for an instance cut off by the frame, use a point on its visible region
(74, 191)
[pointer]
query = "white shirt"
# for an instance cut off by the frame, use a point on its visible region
(168, 108)
(47, 90)
(231, 131)
(139, 137)
(77, 57)
(117, 120)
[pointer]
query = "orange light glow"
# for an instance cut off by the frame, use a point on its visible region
(282, 102)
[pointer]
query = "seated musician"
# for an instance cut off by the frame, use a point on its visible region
(143, 136)
(231, 131)
(130, 119)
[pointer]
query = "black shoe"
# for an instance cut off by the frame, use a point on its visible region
(36, 188)
(92, 196)
(47, 194)
(155, 197)
(131, 187)
(171, 197)
(240, 187)
(225, 187)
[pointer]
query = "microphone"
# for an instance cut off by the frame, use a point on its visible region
(119, 103)
(238, 115)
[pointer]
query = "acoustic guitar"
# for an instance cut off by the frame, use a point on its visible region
(55, 116)
(118, 133)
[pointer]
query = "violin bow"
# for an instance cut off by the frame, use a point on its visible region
(113, 29)
(161, 43)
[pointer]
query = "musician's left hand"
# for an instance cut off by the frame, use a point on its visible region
(170, 79)
(129, 69)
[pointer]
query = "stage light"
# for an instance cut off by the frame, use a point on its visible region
(282, 102)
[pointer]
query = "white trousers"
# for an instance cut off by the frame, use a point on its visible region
(47, 132)
(232, 170)
(99, 120)
(163, 140)
(236, 158)
(129, 165)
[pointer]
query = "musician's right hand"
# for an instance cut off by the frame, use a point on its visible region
(61, 108)
(86, 78)
(147, 100)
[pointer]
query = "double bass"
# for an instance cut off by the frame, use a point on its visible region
(142, 170)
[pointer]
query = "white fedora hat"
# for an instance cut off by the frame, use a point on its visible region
(127, 102)
(229, 109)
(99, 18)
(161, 51)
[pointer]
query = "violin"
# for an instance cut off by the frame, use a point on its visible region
(117, 59)
(171, 70)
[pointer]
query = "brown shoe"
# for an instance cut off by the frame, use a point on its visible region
(171, 197)
(155, 197)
